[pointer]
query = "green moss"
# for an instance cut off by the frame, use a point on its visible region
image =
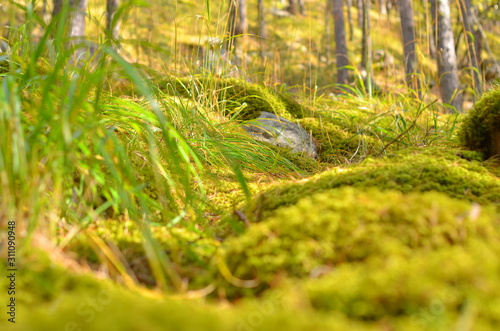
(53, 297)
(190, 251)
(480, 130)
(293, 107)
(443, 289)
(434, 288)
(302, 162)
(335, 144)
(350, 225)
(412, 170)
(236, 98)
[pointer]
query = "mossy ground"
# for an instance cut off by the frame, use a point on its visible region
(383, 232)
(480, 130)
(402, 238)
(413, 170)
(320, 232)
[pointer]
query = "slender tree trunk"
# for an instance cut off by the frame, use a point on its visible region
(328, 31)
(366, 48)
(340, 42)
(238, 23)
(409, 49)
(431, 30)
(359, 5)
(478, 43)
(302, 7)
(383, 7)
(349, 20)
(446, 57)
(262, 27)
(78, 15)
(242, 9)
(112, 25)
(57, 7)
(237, 29)
(232, 25)
(467, 20)
(296, 7)
(262, 20)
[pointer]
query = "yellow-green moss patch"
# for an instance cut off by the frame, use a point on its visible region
(337, 145)
(190, 251)
(412, 170)
(480, 130)
(350, 225)
(430, 287)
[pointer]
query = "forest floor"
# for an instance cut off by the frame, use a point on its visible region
(133, 199)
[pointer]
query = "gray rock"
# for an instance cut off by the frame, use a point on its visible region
(280, 132)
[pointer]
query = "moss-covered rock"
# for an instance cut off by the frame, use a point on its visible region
(412, 170)
(480, 130)
(293, 107)
(350, 225)
(337, 145)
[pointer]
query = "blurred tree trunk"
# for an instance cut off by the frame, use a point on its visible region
(237, 29)
(409, 49)
(478, 43)
(238, 23)
(296, 7)
(431, 31)
(262, 27)
(383, 7)
(302, 7)
(328, 30)
(359, 5)
(340, 42)
(349, 20)
(467, 20)
(57, 7)
(262, 21)
(446, 56)
(112, 25)
(366, 47)
(77, 14)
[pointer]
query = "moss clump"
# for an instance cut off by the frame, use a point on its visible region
(190, 251)
(293, 107)
(335, 144)
(236, 98)
(51, 296)
(412, 170)
(480, 130)
(302, 162)
(431, 287)
(350, 225)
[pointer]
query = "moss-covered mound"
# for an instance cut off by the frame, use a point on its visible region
(350, 225)
(236, 98)
(412, 170)
(480, 129)
(302, 162)
(444, 289)
(293, 107)
(53, 296)
(190, 252)
(335, 144)
(446, 280)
